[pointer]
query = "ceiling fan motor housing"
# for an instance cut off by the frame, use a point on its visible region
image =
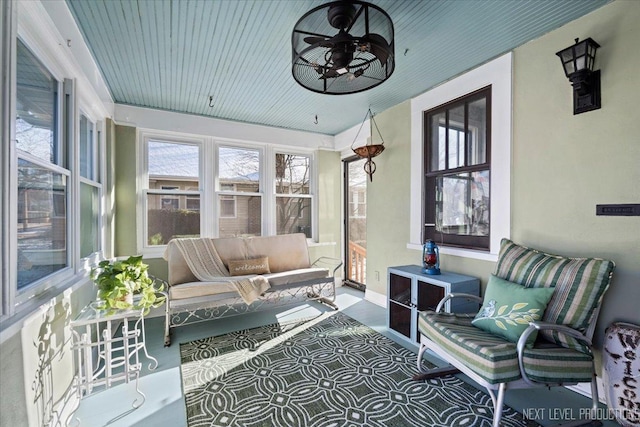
(341, 15)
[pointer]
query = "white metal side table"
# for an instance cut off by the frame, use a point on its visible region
(105, 358)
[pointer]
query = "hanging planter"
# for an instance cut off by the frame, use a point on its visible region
(369, 150)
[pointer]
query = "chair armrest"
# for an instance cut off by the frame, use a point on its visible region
(541, 326)
(460, 295)
(329, 263)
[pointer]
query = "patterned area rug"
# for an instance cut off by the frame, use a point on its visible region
(326, 371)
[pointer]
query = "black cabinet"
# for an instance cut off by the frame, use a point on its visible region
(410, 291)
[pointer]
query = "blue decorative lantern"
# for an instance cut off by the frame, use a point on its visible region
(431, 258)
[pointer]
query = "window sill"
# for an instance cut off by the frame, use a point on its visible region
(464, 253)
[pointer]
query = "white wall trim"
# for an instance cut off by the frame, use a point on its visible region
(376, 298)
(169, 121)
(498, 74)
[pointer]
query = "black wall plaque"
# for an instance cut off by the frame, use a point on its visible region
(618, 210)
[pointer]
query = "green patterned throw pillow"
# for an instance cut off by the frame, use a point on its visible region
(509, 307)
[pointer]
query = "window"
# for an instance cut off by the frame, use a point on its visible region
(90, 189)
(457, 171)
(43, 174)
(170, 211)
(293, 199)
(247, 189)
(239, 195)
(227, 202)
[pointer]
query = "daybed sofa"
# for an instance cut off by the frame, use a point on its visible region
(282, 260)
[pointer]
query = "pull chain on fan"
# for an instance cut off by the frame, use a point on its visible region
(343, 47)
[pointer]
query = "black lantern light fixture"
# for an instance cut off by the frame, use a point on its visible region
(578, 61)
(343, 47)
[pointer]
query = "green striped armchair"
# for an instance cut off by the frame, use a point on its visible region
(526, 335)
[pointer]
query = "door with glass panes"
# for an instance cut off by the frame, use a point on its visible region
(355, 221)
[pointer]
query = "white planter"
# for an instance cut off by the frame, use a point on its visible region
(621, 360)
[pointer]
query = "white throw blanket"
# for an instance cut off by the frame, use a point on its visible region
(205, 263)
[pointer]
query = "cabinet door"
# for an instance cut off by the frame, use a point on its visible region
(429, 296)
(400, 289)
(400, 304)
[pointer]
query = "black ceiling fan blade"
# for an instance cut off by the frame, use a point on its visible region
(378, 47)
(324, 42)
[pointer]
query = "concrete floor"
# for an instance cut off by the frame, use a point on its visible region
(164, 404)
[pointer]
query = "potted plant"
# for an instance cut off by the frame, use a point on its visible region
(118, 281)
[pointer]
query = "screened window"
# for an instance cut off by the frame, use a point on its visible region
(293, 195)
(457, 172)
(172, 212)
(239, 194)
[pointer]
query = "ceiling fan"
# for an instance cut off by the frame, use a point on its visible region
(343, 47)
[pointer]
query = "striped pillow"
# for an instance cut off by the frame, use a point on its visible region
(579, 284)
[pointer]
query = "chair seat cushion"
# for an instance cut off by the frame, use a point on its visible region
(495, 359)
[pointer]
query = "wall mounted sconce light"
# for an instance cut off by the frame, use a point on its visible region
(578, 61)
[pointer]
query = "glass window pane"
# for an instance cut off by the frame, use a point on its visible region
(36, 108)
(89, 216)
(456, 137)
(87, 149)
(292, 174)
(247, 219)
(169, 217)
(437, 132)
(239, 167)
(477, 143)
(42, 222)
(293, 215)
(462, 204)
(173, 165)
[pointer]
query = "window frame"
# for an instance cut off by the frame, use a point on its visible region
(145, 136)
(16, 304)
(498, 74)
(209, 183)
(431, 175)
(309, 195)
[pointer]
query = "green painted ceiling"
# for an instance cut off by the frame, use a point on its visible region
(173, 54)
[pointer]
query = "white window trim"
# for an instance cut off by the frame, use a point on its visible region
(498, 74)
(209, 185)
(142, 185)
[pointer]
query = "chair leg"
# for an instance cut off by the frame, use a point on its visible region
(433, 372)
(497, 404)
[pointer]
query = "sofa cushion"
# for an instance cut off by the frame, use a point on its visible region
(579, 284)
(199, 289)
(295, 276)
(242, 267)
(509, 307)
(286, 252)
(495, 359)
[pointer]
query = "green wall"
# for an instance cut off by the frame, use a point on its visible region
(125, 191)
(562, 165)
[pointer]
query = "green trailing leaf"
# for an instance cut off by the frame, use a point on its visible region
(116, 279)
(500, 325)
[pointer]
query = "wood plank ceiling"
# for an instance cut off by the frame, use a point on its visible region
(174, 54)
